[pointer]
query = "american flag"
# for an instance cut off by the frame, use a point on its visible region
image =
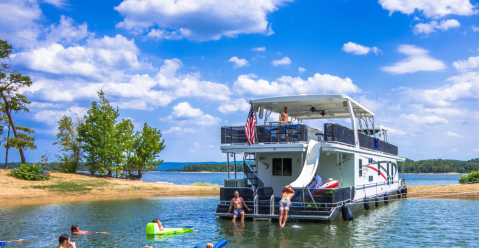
(249, 127)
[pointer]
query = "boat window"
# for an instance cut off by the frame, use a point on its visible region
(360, 167)
(370, 160)
(282, 166)
(370, 178)
(379, 169)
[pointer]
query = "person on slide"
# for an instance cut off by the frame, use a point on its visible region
(238, 203)
(287, 194)
(157, 221)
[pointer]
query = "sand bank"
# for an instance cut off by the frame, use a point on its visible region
(456, 191)
(65, 187)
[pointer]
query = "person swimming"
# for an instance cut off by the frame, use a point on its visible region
(64, 242)
(287, 194)
(157, 221)
(76, 230)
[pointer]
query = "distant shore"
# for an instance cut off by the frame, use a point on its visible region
(198, 172)
(70, 187)
(445, 173)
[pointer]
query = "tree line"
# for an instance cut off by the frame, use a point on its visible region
(439, 166)
(213, 167)
(98, 141)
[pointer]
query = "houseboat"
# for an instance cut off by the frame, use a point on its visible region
(335, 170)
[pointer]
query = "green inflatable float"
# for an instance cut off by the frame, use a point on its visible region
(152, 228)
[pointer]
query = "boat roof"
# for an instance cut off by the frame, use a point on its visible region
(312, 106)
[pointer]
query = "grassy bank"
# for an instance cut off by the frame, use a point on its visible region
(65, 187)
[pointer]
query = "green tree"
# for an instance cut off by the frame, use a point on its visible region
(12, 102)
(44, 159)
(97, 132)
(126, 140)
(69, 143)
(147, 148)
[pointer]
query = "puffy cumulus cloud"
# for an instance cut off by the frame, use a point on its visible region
(286, 85)
(357, 49)
(418, 60)
(179, 130)
(197, 19)
(259, 49)
(238, 62)
(238, 105)
(184, 113)
(283, 61)
(453, 134)
(430, 8)
(427, 120)
(465, 87)
(140, 92)
(97, 59)
(426, 28)
(393, 131)
(51, 117)
(67, 30)
(465, 65)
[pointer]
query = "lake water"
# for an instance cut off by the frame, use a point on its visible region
(217, 178)
(403, 223)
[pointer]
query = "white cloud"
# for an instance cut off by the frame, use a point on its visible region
(453, 134)
(453, 150)
(464, 65)
(18, 21)
(196, 144)
(159, 34)
(238, 105)
(179, 130)
(430, 8)
(184, 114)
(427, 120)
(238, 62)
(357, 49)
(193, 151)
(67, 30)
(476, 150)
(417, 60)
(201, 20)
(301, 70)
(286, 85)
(465, 88)
(51, 117)
(395, 132)
(474, 28)
(446, 111)
(283, 61)
(58, 3)
(97, 59)
(426, 28)
(259, 49)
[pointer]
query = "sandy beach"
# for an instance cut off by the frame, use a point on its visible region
(455, 191)
(65, 187)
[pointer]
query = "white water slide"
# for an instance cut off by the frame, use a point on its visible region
(310, 165)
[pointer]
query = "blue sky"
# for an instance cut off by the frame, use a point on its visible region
(189, 67)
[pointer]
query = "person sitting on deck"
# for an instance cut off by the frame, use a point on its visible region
(238, 203)
(76, 230)
(287, 194)
(284, 118)
(157, 221)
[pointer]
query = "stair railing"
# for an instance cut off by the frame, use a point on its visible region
(271, 205)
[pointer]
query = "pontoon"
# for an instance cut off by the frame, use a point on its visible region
(359, 158)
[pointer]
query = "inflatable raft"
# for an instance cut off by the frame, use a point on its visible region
(153, 229)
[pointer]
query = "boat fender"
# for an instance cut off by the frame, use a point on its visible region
(347, 214)
(399, 193)
(386, 198)
(377, 202)
(405, 192)
(220, 244)
(366, 204)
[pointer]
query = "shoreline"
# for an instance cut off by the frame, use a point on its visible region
(74, 187)
(197, 172)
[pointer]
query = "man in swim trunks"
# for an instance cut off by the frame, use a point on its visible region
(284, 119)
(287, 194)
(238, 203)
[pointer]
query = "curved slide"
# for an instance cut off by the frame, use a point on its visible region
(310, 165)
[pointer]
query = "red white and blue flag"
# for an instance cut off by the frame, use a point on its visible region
(249, 127)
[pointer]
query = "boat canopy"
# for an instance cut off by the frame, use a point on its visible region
(312, 106)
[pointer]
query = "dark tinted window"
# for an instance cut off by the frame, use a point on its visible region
(277, 166)
(287, 166)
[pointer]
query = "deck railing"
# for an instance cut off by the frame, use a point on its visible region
(295, 133)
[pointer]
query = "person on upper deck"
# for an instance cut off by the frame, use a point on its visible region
(238, 203)
(287, 194)
(284, 118)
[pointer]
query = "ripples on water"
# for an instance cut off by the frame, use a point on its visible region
(404, 223)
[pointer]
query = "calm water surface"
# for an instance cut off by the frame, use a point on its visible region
(404, 223)
(217, 178)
